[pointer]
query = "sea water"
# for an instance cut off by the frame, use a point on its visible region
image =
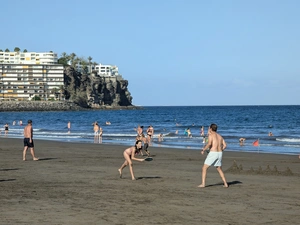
(250, 122)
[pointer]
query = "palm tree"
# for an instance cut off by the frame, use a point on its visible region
(25, 50)
(61, 90)
(72, 57)
(90, 60)
(53, 91)
(17, 49)
(7, 50)
(64, 55)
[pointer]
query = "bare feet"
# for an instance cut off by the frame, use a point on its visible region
(35, 159)
(120, 171)
(226, 185)
(202, 186)
(24, 159)
(133, 178)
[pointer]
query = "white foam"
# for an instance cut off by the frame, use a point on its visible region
(288, 139)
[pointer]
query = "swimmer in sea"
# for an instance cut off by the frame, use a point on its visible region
(129, 155)
(242, 140)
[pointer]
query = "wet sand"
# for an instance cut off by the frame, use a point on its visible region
(78, 183)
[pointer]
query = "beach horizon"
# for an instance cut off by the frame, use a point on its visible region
(78, 183)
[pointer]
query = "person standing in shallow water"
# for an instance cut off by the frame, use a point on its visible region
(129, 155)
(28, 141)
(69, 127)
(217, 144)
(6, 129)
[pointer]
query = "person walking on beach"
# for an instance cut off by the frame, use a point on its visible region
(129, 155)
(28, 141)
(146, 145)
(217, 144)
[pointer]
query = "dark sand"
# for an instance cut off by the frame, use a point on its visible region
(77, 183)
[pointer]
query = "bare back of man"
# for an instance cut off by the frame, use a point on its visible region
(216, 142)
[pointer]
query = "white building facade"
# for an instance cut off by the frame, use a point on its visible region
(101, 69)
(106, 70)
(31, 74)
(28, 57)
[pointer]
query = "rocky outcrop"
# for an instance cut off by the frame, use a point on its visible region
(38, 106)
(93, 91)
(10, 106)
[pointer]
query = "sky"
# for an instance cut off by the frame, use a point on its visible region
(173, 52)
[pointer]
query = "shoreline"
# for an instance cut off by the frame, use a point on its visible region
(78, 183)
(89, 141)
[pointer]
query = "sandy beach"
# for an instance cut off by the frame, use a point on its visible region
(78, 183)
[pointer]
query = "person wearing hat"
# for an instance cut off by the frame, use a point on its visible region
(28, 141)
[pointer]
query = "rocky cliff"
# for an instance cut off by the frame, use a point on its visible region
(93, 91)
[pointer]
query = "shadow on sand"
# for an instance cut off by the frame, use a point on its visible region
(9, 169)
(221, 184)
(7, 180)
(44, 159)
(154, 177)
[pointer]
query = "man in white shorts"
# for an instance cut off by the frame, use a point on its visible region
(217, 145)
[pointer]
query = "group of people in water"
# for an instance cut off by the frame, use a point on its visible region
(98, 131)
(6, 127)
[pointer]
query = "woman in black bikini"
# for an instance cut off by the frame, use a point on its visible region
(6, 128)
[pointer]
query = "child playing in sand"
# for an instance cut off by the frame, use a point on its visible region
(129, 154)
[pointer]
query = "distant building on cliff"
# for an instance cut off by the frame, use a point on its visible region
(101, 69)
(108, 70)
(24, 75)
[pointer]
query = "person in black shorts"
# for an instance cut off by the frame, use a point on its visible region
(28, 141)
(6, 129)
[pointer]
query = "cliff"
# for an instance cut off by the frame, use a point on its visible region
(93, 91)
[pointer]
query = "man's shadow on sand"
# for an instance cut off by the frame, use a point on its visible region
(7, 180)
(229, 183)
(154, 177)
(9, 169)
(44, 159)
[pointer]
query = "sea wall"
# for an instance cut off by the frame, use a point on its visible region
(11, 106)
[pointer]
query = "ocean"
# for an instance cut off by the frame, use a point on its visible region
(250, 122)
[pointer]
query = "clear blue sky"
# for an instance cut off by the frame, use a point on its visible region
(173, 52)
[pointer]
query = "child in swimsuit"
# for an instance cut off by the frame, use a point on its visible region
(129, 154)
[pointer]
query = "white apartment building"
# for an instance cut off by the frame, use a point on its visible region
(102, 70)
(28, 57)
(24, 75)
(108, 70)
